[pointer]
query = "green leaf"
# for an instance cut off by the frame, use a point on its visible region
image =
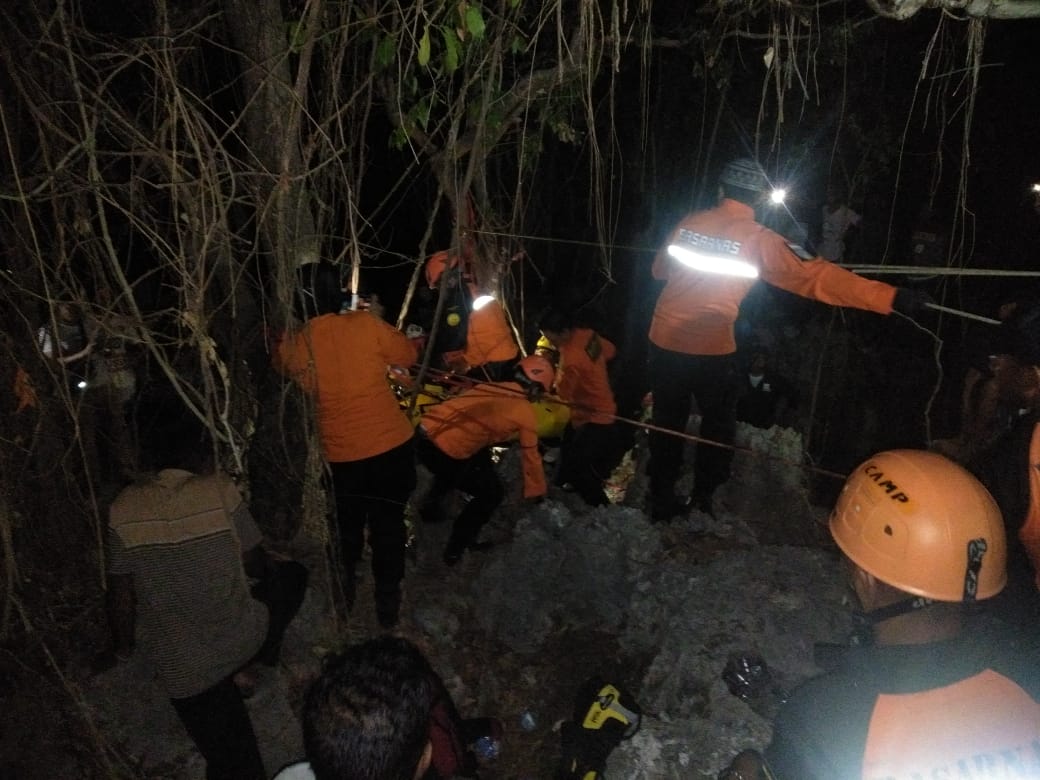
(474, 22)
(451, 49)
(420, 113)
(398, 138)
(295, 33)
(386, 51)
(424, 48)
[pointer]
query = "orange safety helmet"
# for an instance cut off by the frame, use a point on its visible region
(923, 524)
(537, 369)
(437, 264)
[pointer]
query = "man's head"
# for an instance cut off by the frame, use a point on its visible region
(437, 264)
(1016, 355)
(557, 326)
(319, 290)
(367, 716)
(922, 526)
(745, 180)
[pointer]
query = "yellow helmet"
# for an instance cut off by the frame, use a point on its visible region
(923, 524)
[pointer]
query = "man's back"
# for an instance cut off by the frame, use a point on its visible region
(176, 536)
(959, 708)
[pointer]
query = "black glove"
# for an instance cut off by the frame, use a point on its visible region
(911, 303)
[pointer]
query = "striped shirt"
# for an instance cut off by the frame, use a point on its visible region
(182, 536)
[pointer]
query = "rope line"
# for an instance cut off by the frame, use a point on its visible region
(866, 268)
(466, 382)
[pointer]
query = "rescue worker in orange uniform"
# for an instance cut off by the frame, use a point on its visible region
(341, 360)
(931, 693)
(455, 440)
(474, 336)
(589, 449)
(1010, 467)
(709, 263)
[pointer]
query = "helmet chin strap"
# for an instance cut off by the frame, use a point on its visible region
(863, 622)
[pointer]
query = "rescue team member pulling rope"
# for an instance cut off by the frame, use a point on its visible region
(455, 440)
(709, 263)
(937, 690)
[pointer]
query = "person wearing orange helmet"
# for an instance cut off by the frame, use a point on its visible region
(473, 335)
(455, 440)
(927, 692)
(709, 263)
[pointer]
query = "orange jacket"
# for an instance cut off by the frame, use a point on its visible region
(488, 338)
(983, 721)
(582, 377)
(342, 360)
(696, 311)
(488, 414)
(1029, 533)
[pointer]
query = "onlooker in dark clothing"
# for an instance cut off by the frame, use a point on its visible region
(709, 263)
(932, 693)
(455, 440)
(1008, 467)
(342, 361)
(764, 396)
(181, 546)
(591, 445)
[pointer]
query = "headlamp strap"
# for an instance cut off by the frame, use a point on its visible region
(976, 552)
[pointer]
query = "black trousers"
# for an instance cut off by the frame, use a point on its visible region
(588, 455)
(281, 590)
(475, 476)
(218, 723)
(675, 379)
(372, 493)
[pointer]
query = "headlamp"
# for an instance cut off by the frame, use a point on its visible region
(777, 196)
(481, 301)
(1036, 187)
(712, 264)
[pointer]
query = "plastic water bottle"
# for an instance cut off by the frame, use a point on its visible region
(528, 722)
(487, 747)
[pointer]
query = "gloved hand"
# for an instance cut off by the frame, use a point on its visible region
(911, 303)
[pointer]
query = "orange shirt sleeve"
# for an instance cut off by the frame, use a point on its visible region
(531, 459)
(819, 279)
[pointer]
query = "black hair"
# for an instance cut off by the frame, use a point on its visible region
(367, 717)
(1019, 335)
(556, 320)
(319, 290)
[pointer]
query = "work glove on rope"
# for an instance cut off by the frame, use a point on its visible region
(911, 303)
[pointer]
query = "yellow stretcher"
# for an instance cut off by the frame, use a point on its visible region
(552, 413)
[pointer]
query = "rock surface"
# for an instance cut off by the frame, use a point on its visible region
(567, 592)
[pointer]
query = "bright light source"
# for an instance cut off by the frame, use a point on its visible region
(777, 196)
(481, 301)
(82, 384)
(712, 264)
(1036, 186)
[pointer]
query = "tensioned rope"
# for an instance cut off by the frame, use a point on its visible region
(871, 268)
